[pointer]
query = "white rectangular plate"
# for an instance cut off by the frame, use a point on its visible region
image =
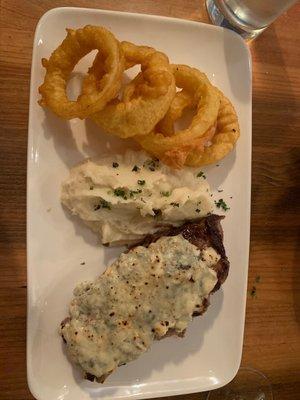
(209, 355)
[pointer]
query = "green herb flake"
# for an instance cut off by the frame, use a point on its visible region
(201, 175)
(165, 194)
(102, 204)
(174, 204)
(141, 182)
(253, 292)
(120, 192)
(115, 165)
(135, 169)
(221, 204)
(257, 279)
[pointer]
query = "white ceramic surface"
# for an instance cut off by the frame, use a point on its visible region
(209, 355)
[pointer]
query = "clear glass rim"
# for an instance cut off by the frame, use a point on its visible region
(253, 371)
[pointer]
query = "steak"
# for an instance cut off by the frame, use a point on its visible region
(204, 234)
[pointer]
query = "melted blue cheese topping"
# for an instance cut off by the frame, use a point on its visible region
(142, 295)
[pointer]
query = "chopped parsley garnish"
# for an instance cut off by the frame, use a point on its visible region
(124, 192)
(197, 210)
(253, 292)
(174, 204)
(135, 169)
(115, 165)
(201, 175)
(221, 204)
(165, 194)
(141, 182)
(151, 164)
(102, 204)
(120, 192)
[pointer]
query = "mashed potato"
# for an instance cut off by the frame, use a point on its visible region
(124, 197)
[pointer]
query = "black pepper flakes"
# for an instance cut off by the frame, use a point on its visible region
(135, 169)
(157, 212)
(102, 204)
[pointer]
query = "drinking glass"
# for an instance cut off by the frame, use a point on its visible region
(246, 17)
(249, 384)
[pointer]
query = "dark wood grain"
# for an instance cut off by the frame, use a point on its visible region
(272, 341)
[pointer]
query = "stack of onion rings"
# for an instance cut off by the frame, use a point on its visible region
(148, 106)
(174, 149)
(145, 99)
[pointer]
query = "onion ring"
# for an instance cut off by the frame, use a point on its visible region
(145, 99)
(62, 61)
(173, 150)
(223, 141)
(181, 101)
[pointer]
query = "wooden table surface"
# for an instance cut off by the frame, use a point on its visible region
(272, 341)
